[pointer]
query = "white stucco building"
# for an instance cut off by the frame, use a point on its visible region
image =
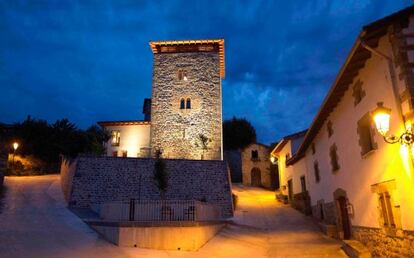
(128, 138)
(356, 181)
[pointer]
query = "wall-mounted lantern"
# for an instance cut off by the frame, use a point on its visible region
(381, 117)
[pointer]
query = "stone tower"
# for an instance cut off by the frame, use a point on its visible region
(186, 98)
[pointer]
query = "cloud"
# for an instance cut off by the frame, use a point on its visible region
(90, 61)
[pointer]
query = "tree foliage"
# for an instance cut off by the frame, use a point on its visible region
(47, 141)
(238, 133)
(160, 173)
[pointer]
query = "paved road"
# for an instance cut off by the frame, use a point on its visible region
(35, 223)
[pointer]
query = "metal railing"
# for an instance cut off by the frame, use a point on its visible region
(160, 210)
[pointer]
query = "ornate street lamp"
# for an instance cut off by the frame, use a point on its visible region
(381, 117)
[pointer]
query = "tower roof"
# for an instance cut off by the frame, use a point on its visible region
(182, 46)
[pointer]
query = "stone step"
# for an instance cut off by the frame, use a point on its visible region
(355, 249)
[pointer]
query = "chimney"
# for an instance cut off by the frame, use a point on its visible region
(146, 109)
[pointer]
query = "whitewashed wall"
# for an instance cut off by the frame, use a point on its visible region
(291, 172)
(356, 173)
(133, 138)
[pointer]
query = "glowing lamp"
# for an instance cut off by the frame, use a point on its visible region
(15, 146)
(185, 78)
(272, 159)
(382, 118)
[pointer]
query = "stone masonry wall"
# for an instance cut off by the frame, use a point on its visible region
(103, 179)
(173, 130)
(262, 163)
(382, 245)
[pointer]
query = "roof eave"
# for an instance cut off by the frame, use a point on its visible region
(305, 143)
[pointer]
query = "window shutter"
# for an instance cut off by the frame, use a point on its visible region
(389, 209)
(383, 210)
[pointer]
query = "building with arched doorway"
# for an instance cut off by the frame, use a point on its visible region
(360, 185)
(257, 169)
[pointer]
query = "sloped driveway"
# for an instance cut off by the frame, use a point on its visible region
(34, 222)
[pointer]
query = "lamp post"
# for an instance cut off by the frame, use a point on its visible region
(381, 117)
(15, 146)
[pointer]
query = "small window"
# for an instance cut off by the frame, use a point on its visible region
(316, 171)
(313, 148)
(124, 154)
(182, 75)
(287, 157)
(303, 184)
(357, 92)
(255, 155)
(188, 105)
(365, 132)
(334, 158)
(115, 154)
(115, 138)
(182, 104)
(329, 128)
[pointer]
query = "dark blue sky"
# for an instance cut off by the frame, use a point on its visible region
(90, 60)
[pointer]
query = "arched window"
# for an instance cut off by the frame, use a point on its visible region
(182, 104)
(188, 104)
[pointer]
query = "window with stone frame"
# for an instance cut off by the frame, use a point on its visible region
(303, 184)
(357, 92)
(287, 157)
(316, 171)
(313, 148)
(333, 153)
(329, 128)
(255, 155)
(115, 137)
(124, 154)
(366, 132)
(389, 213)
(188, 104)
(181, 75)
(182, 104)
(115, 154)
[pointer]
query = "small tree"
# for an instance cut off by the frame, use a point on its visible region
(202, 142)
(238, 133)
(160, 173)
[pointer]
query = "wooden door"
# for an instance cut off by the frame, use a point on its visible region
(290, 190)
(344, 217)
(256, 177)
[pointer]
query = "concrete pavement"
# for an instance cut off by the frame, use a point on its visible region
(34, 222)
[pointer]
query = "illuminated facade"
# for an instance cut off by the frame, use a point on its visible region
(183, 120)
(360, 186)
(256, 166)
(186, 99)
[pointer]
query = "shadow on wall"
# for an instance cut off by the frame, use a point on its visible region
(233, 159)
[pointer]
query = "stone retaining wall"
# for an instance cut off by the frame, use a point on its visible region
(382, 245)
(102, 179)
